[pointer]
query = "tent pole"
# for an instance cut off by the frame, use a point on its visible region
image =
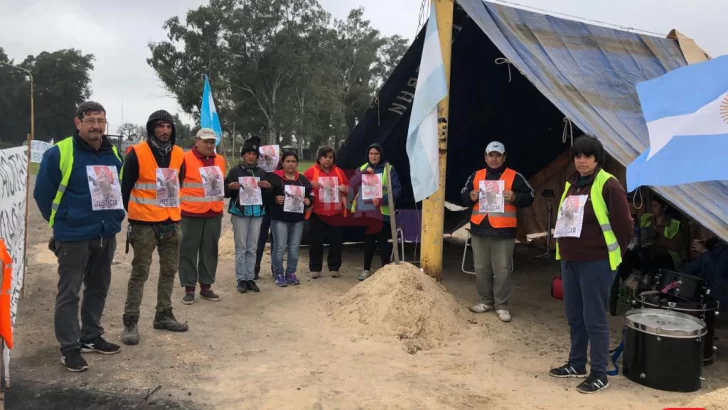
(433, 207)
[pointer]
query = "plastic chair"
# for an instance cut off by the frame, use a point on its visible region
(409, 230)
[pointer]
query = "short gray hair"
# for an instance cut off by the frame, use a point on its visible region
(89, 107)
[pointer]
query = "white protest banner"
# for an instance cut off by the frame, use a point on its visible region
(212, 182)
(328, 192)
(167, 188)
(250, 193)
(270, 155)
(570, 219)
(371, 186)
(294, 199)
(37, 149)
(490, 196)
(103, 183)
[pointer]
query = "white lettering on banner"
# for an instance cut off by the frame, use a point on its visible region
(37, 149)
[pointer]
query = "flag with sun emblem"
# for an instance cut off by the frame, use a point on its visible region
(686, 112)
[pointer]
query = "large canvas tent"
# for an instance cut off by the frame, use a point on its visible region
(524, 78)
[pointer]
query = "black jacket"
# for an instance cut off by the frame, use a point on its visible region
(524, 198)
(278, 188)
(241, 170)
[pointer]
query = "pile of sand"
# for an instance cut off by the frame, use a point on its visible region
(400, 300)
(226, 244)
(715, 400)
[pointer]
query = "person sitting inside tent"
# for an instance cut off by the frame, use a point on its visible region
(660, 244)
(712, 265)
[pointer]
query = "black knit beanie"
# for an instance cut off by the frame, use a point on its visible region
(252, 144)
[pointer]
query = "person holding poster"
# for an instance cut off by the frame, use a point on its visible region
(374, 202)
(150, 187)
(330, 187)
(291, 194)
(494, 193)
(202, 201)
(246, 185)
(77, 191)
(593, 228)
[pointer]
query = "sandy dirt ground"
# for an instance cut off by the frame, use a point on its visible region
(304, 348)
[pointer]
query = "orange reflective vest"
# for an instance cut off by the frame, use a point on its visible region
(193, 194)
(506, 219)
(143, 204)
(6, 265)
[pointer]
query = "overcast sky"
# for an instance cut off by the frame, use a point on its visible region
(117, 33)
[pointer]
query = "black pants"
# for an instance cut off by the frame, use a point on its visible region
(86, 263)
(262, 239)
(385, 248)
(320, 231)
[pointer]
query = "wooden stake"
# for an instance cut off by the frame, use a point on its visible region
(29, 139)
(392, 219)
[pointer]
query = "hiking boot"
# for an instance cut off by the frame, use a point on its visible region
(364, 274)
(189, 298)
(281, 281)
(209, 295)
(593, 384)
(252, 286)
(131, 331)
(504, 315)
(99, 345)
(315, 274)
(567, 371)
(73, 361)
(335, 274)
(480, 308)
(242, 286)
(167, 321)
(292, 279)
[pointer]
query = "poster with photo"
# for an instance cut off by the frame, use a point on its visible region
(293, 202)
(212, 182)
(328, 192)
(249, 193)
(269, 157)
(103, 183)
(371, 186)
(570, 219)
(490, 196)
(167, 188)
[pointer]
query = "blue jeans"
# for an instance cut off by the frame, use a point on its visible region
(586, 300)
(246, 230)
(286, 234)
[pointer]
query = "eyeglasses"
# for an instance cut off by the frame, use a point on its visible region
(92, 121)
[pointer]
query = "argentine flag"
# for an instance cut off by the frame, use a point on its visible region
(208, 113)
(686, 111)
(422, 141)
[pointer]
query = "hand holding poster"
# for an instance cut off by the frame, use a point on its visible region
(570, 219)
(249, 193)
(490, 196)
(371, 186)
(212, 182)
(269, 157)
(103, 183)
(293, 202)
(328, 192)
(167, 188)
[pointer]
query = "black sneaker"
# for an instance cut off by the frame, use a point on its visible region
(593, 384)
(242, 286)
(73, 361)
(99, 345)
(209, 295)
(567, 371)
(252, 286)
(189, 298)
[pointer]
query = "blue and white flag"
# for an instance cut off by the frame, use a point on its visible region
(208, 113)
(422, 140)
(686, 111)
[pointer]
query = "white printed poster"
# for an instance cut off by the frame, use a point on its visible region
(103, 183)
(13, 174)
(249, 193)
(293, 201)
(167, 188)
(490, 196)
(212, 182)
(269, 157)
(371, 186)
(328, 192)
(570, 219)
(37, 149)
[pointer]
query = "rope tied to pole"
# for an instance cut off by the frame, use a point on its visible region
(568, 131)
(503, 60)
(376, 102)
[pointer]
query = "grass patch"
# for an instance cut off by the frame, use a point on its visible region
(304, 165)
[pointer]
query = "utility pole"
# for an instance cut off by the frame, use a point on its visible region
(433, 207)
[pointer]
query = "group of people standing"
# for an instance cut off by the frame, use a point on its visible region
(175, 201)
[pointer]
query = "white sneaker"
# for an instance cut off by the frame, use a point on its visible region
(364, 275)
(480, 308)
(503, 315)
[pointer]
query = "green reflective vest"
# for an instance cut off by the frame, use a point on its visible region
(670, 231)
(602, 214)
(383, 208)
(65, 165)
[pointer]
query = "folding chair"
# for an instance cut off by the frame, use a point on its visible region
(409, 229)
(468, 244)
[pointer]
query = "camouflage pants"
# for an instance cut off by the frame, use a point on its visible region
(144, 238)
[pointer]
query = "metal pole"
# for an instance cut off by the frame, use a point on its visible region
(433, 208)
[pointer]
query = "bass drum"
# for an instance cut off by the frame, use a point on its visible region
(664, 349)
(681, 285)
